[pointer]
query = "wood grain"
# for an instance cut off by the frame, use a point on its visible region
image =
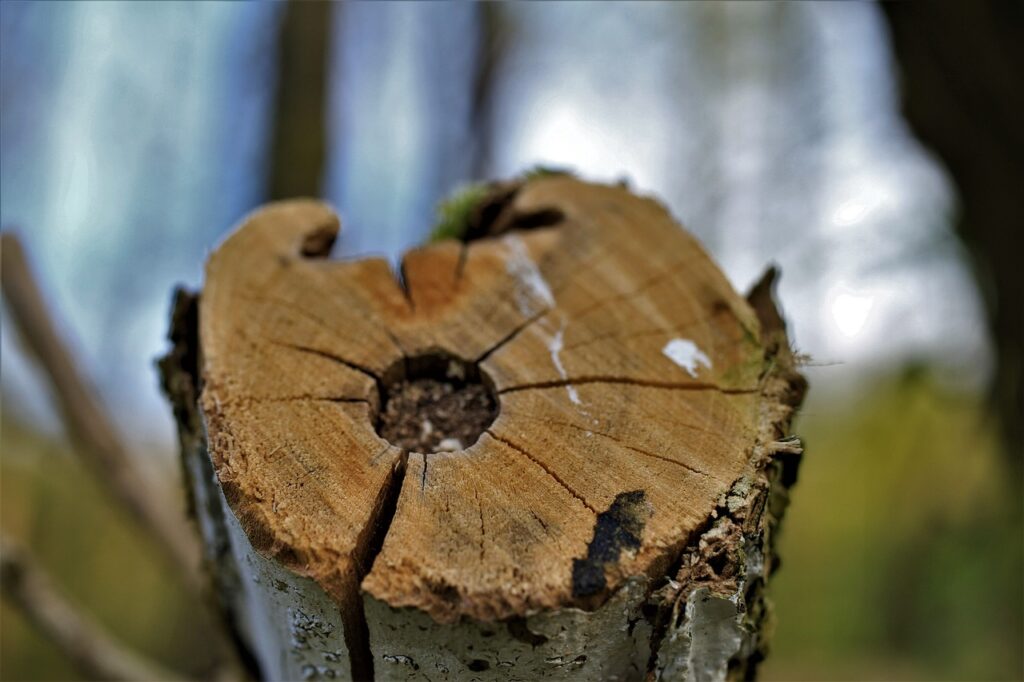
(630, 378)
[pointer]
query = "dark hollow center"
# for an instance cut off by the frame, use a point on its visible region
(435, 403)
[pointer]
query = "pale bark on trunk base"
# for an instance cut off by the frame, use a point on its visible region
(615, 521)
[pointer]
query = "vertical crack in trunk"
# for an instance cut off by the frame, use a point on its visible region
(357, 634)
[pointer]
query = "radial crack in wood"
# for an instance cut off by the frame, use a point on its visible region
(509, 462)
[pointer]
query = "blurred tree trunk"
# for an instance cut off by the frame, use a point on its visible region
(297, 158)
(963, 69)
(494, 33)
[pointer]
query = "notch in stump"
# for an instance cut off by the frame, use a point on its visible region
(557, 449)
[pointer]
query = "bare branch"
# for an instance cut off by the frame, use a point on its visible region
(92, 650)
(88, 423)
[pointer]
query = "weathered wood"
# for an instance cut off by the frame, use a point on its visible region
(612, 522)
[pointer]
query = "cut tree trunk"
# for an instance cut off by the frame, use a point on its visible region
(556, 450)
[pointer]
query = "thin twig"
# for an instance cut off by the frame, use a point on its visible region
(89, 426)
(92, 650)
(97, 441)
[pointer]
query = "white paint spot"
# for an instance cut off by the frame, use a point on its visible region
(685, 353)
(522, 267)
(555, 346)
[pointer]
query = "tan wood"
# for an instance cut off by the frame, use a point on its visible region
(635, 390)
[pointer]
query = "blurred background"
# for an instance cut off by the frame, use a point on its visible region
(873, 156)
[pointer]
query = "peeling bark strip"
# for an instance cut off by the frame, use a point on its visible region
(590, 453)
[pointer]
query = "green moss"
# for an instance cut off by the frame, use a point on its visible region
(455, 212)
(540, 171)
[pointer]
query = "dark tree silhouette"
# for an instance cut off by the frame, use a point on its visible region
(963, 69)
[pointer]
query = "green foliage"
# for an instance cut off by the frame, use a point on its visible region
(96, 557)
(901, 552)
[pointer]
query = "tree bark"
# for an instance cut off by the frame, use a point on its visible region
(559, 450)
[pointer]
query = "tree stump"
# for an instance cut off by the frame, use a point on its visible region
(557, 449)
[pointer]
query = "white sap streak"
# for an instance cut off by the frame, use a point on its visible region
(521, 266)
(685, 353)
(555, 346)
